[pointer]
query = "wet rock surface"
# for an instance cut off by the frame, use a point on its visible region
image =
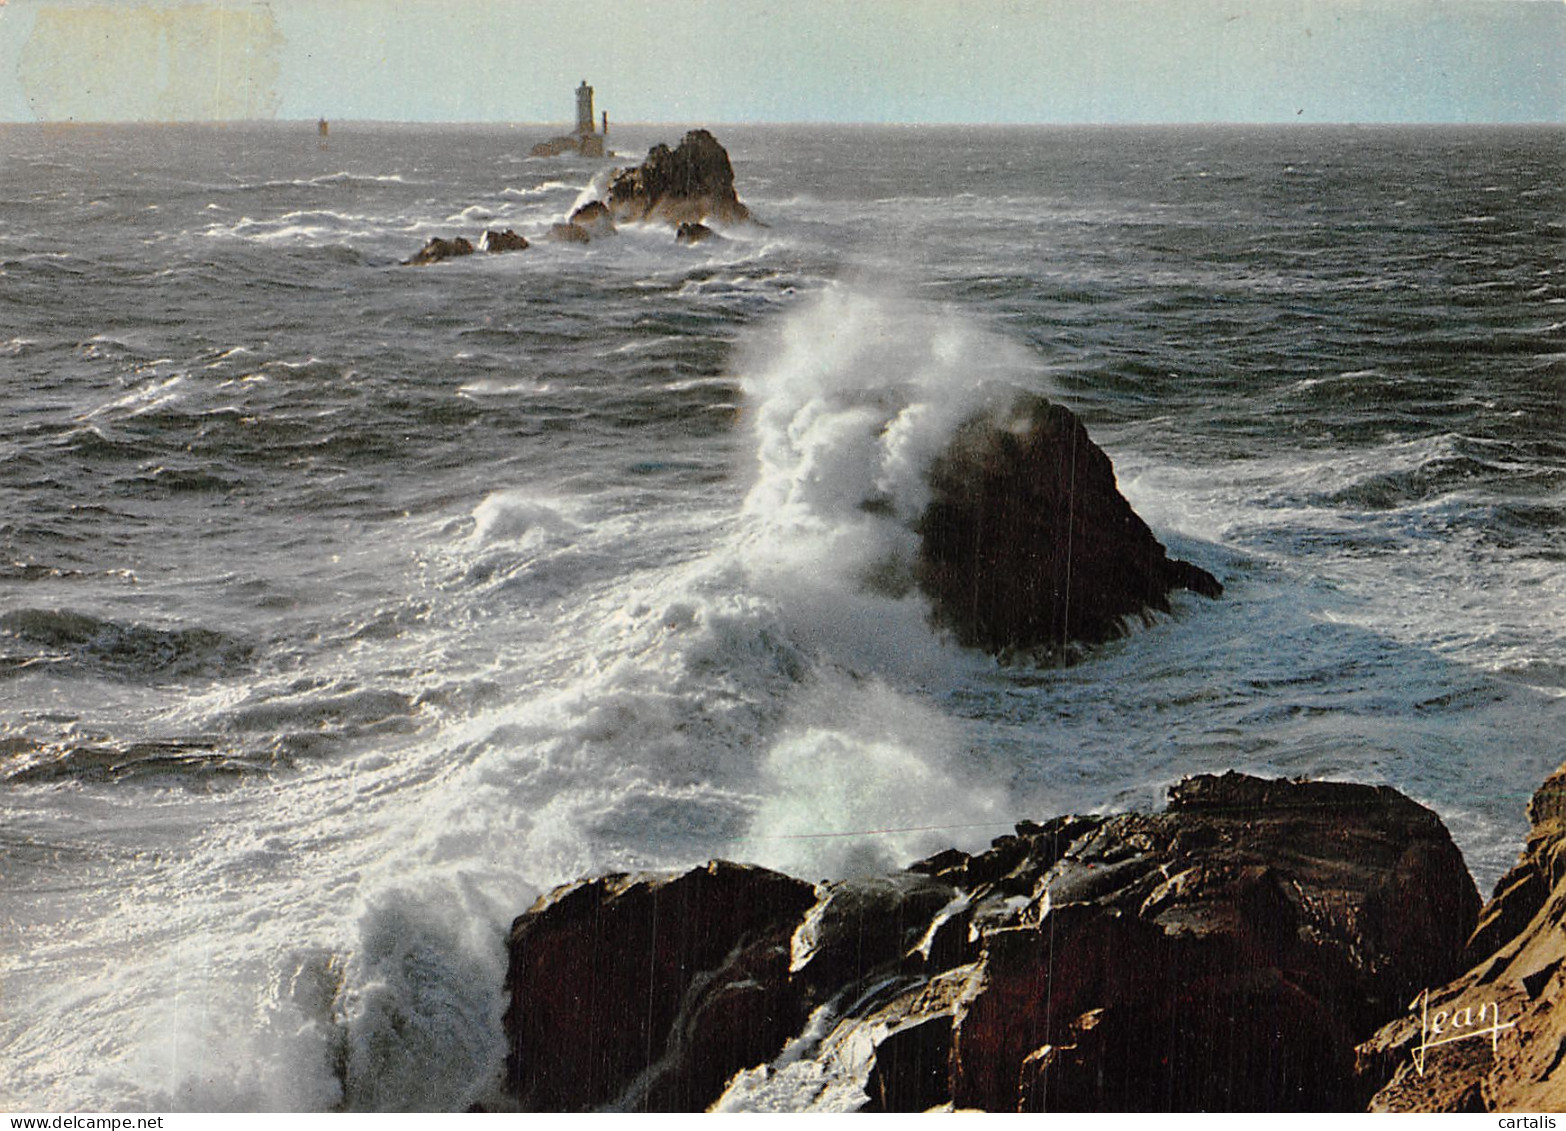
(690, 183)
(649, 991)
(1226, 954)
(1027, 543)
(438, 249)
(595, 218)
(1500, 1025)
(496, 242)
(682, 187)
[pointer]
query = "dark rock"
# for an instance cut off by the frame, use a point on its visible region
(495, 242)
(692, 233)
(650, 991)
(1013, 864)
(594, 218)
(1225, 954)
(438, 249)
(1106, 1063)
(864, 925)
(912, 1068)
(690, 183)
(569, 233)
(1027, 543)
(1516, 979)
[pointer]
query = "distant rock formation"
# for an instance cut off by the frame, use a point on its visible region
(438, 249)
(587, 145)
(569, 233)
(1223, 955)
(496, 242)
(1027, 543)
(594, 218)
(1516, 979)
(681, 186)
(691, 233)
(692, 182)
(491, 241)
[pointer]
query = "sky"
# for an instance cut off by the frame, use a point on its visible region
(721, 61)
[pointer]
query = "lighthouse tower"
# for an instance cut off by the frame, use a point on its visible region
(588, 143)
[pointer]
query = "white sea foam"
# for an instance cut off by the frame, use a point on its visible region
(302, 227)
(511, 514)
(595, 189)
(547, 188)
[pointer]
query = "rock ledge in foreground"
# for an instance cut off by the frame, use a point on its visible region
(1226, 954)
(1516, 977)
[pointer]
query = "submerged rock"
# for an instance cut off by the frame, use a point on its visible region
(1027, 543)
(1224, 955)
(689, 183)
(438, 249)
(1502, 1029)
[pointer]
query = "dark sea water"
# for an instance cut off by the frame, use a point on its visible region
(345, 607)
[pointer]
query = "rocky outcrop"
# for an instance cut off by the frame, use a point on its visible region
(496, 242)
(681, 186)
(649, 991)
(1027, 543)
(1226, 954)
(690, 183)
(589, 222)
(555, 146)
(568, 233)
(594, 218)
(585, 145)
(1493, 1038)
(692, 233)
(491, 241)
(438, 249)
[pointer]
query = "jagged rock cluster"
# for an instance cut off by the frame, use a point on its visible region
(1027, 543)
(686, 184)
(1226, 954)
(682, 187)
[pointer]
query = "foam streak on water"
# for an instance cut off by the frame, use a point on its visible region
(347, 607)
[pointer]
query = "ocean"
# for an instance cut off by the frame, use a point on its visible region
(346, 607)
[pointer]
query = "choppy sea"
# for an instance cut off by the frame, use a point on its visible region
(345, 607)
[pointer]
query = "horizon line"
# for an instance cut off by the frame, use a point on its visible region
(1294, 122)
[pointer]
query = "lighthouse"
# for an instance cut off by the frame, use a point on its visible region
(582, 139)
(588, 143)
